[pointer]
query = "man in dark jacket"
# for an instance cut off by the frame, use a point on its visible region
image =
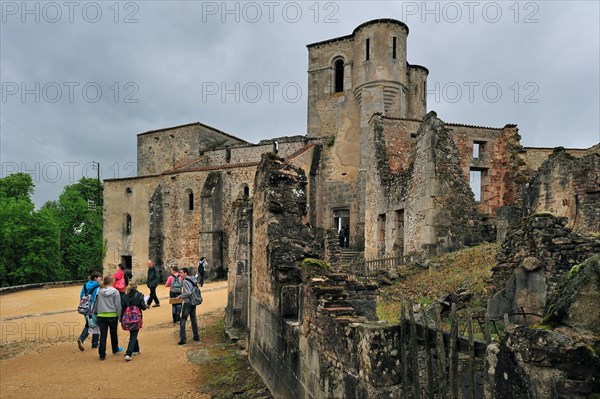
(152, 282)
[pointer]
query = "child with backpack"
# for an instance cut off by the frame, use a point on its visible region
(87, 297)
(132, 319)
(107, 308)
(176, 283)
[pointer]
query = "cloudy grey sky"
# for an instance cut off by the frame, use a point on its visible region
(80, 79)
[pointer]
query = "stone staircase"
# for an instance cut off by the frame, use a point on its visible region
(333, 299)
(347, 255)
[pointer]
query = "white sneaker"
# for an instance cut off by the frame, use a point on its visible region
(136, 353)
(127, 357)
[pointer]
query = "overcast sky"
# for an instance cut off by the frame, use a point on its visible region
(81, 79)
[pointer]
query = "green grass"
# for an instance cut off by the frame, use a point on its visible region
(465, 269)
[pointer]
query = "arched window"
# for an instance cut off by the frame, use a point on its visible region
(191, 201)
(339, 75)
(188, 199)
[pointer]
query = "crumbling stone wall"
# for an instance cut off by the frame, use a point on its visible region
(281, 241)
(499, 159)
(568, 187)
(534, 157)
(428, 188)
(532, 261)
(560, 358)
(238, 292)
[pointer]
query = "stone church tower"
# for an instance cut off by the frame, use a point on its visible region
(350, 78)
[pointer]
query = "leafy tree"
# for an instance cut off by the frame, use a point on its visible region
(63, 240)
(17, 186)
(80, 227)
(28, 250)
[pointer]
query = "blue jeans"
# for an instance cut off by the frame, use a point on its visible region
(188, 310)
(84, 334)
(105, 323)
(176, 308)
(133, 345)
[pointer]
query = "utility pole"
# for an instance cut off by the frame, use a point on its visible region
(98, 189)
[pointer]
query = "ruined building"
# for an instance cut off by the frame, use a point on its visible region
(374, 160)
(400, 187)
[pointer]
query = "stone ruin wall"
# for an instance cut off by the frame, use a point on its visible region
(534, 157)
(569, 187)
(313, 333)
(392, 151)
(498, 159)
(307, 339)
(425, 184)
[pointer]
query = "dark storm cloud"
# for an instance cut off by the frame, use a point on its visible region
(162, 69)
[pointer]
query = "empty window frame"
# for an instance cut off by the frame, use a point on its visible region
(381, 228)
(339, 76)
(478, 147)
(475, 177)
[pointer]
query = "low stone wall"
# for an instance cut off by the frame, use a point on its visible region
(17, 288)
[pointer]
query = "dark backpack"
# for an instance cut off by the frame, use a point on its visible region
(196, 295)
(176, 285)
(132, 318)
(85, 303)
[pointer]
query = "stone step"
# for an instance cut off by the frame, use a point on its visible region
(339, 311)
(335, 303)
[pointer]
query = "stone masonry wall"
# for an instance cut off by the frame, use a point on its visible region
(531, 263)
(165, 149)
(568, 187)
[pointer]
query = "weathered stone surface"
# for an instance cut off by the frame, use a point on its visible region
(533, 363)
(569, 187)
(576, 302)
(531, 263)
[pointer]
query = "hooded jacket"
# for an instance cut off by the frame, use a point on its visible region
(187, 288)
(134, 298)
(119, 283)
(109, 301)
(92, 288)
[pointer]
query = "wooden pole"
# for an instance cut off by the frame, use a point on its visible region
(441, 353)
(403, 340)
(414, 352)
(471, 357)
(452, 379)
(427, 354)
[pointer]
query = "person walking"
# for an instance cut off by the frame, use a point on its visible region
(176, 284)
(120, 279)
(188, 309)
(133, 298)
(90, 287)
(152, 282)
(108, 311)
(201, 271)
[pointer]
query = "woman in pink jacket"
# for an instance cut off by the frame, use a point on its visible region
(120, 284)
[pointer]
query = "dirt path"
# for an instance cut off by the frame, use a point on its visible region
(39, 357)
